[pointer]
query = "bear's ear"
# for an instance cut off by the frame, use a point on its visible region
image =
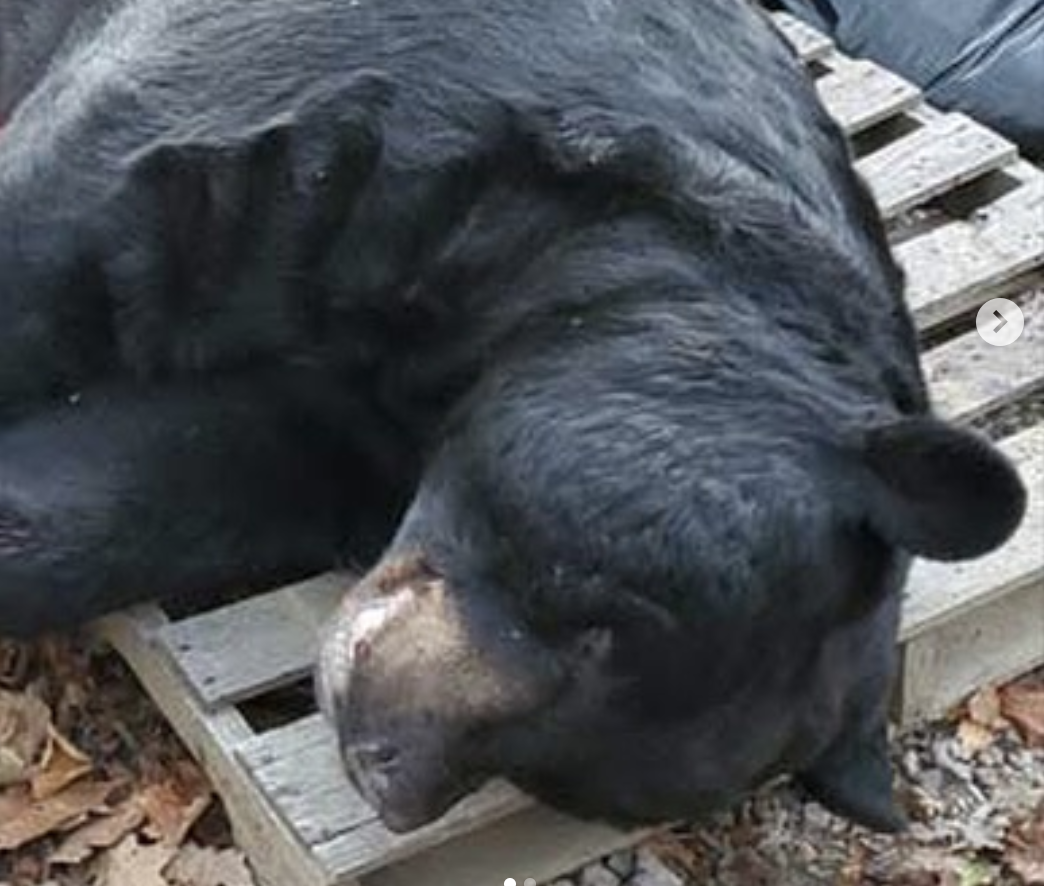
(292, 174)
(280, 187)
(939, 491)
(217, 223)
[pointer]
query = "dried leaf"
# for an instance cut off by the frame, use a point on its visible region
(197, 866)
(14, 663)
(37, 818)
(974, 872)
(984, 708)
(853, 871)
(1023, 705)
(24, 721)
(173, 806)
(974, 737)
(101, 833)
(1027, 865)
(63, 763)
(1025, 855)
(132, 863)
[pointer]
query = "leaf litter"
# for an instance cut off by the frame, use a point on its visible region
(95, 789)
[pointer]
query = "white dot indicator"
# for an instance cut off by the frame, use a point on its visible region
(1000, 322)
(510, 881)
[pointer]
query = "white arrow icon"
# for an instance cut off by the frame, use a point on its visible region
(1000, 321)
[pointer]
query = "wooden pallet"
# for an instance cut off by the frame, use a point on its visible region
(292, 808)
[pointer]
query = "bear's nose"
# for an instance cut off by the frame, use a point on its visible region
(379, 755)
(373, 768)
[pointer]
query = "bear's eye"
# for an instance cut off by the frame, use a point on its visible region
(361, 651)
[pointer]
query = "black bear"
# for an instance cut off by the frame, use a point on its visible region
(31, 34)
(573, 307)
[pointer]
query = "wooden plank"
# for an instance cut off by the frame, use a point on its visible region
(990, 644)
(949, 150)
(955, 267)
(211, 737)
(809, 44)
(940, 592)
(245, 649)
(536, 843)
(968, 377)
(859, 94)
(298, 769)
(371, 847)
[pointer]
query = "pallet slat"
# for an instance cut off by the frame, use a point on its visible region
(969, 378)
(298, 768)
(536, 843)
(959, 265)
(859, 94)
(282, 630)
(372, 846)
(1002, 639)
(211, 736)
(809, 44)
(946, 152)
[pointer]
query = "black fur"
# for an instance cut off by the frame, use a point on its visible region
(585, 291)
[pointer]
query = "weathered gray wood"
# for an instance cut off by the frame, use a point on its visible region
(988, 644)
(247, 648)
(968, 377)
(963, 263)
(947, 151)
(860, 94)
(809, 44)
(940, 592)
(211, 737)
(537, 843)
(298, 770)
(371, 847)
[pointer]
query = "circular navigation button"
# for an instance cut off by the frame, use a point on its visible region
(1000, 321)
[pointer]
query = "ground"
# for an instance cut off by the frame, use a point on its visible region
(119, 801)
